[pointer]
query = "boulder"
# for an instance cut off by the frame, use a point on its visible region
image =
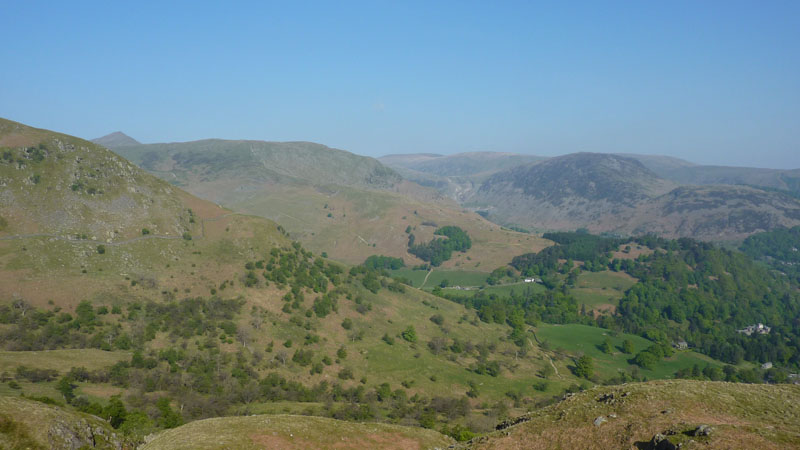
(660, 442)
(600, 420)
(703, 430)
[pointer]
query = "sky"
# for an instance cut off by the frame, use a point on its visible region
(713, 82)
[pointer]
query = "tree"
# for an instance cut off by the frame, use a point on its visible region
(605, 347)
(115, 412)
(66, 388)
(169, 418)
(584, 367)
(409, 334)
(627, 346)
(101, 249)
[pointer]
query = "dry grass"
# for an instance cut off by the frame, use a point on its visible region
(60, 360)
(294, 432)
(742, 415)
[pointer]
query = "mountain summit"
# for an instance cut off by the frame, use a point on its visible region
(116, 139)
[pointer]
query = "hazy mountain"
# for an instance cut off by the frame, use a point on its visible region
(115, 139)
(256, 162)
(456, 176)
(460, 164)
(684, 172)
(612, 193)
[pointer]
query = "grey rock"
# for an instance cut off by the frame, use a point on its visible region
(660, 442)
(600, 420)
(703, 430)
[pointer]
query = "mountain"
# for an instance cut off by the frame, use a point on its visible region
(641, 415)
(684, 172)
(612, 193)
(258, 162)
(456, 176)
(345, 205)
(115, 139)
(460, 164)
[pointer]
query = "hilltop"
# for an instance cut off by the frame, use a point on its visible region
(294, 432)
(630, 416)
(115, 139)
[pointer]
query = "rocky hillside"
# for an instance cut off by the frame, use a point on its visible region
(54, 184)
(613, 193)
(29, 424)
(661, 415)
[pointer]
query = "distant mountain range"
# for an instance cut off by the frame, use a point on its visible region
(617, 193)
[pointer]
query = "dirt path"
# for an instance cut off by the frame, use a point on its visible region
(545, 354)
(426, 279)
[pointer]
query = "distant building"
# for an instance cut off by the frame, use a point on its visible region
(532, 280)
(766, 365)
(681, 345)
(760, 328)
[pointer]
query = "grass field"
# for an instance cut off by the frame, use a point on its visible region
(502, 291)
(577, 339)
(601, 290)
(61, 360)
(453, 277)
(416, 276)
(294, 432)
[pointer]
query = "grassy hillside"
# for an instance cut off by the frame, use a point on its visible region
(67, 188)
(294, 432)
(741, 416)
(29, 424)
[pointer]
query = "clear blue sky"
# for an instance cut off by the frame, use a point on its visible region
(710, 81)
